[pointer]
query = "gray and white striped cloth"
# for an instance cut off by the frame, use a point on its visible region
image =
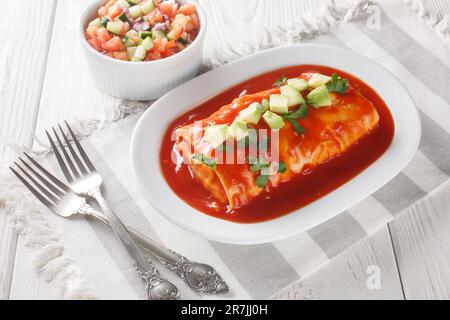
(404, 46)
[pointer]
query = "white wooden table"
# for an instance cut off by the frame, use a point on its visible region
(43, 79)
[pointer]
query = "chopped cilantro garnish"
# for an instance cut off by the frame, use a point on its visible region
(298, 128)
(124, 39)
(281, 81)
(282, 167)
(337, 84)
(300, 113)
(205, 160)
(261, 181)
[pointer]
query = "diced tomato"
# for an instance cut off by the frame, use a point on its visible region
(195, 21)
(169, 9)
(103, 35)
(95, 44)
(115, 44)
(115, 11)
(160, 45)
(155, 17)
(167, 53)
(175, 33)
(121, 55)
(188, 9)
(152, 55)
(171, 44)
(91, 32)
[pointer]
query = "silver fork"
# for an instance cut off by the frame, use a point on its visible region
(84, 180)
(88, 183)
(59, 198)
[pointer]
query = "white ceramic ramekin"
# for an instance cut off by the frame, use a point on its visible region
(145, 80)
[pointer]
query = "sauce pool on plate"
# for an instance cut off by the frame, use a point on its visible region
(300, 190)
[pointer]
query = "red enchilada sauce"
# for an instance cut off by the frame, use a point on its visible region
(302, 189)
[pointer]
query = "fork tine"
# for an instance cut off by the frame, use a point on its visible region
(36, 193)
(61, 162)
(49, 195)
(48, 184)
(80, 149)
(72, 151)
(55, 180)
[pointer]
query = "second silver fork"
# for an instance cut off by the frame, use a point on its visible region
(84, 179)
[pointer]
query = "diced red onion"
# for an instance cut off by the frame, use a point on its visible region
(160, 27)
(141, 26)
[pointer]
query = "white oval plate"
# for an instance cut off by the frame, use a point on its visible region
(147, 136)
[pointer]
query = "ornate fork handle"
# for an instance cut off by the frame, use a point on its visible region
(200, 277)
(156, 287)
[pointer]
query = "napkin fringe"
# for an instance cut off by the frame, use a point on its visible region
(47, 250)
(440, 25)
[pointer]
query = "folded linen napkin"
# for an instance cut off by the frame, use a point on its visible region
(86, 258)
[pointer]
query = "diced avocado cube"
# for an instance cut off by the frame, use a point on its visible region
(265, 104)
(295, 100)
(96, 23)
(131, 51)
(319, 97)
(289, 91)
(299, 84)
(273, 120)
(147, 43)
(147, 7)
(216, 135)
(135, 11)
(238, 129)
(114, 27)
(318, 80)
(140, 53)
(252, 114)
(279, 103)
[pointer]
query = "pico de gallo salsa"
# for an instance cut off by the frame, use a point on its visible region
(143, 30)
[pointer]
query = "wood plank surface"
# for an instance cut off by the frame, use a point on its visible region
(421, 239)
(347, 275)
(25, 34)
(40, 89)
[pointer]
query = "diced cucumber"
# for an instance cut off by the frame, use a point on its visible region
(289, 91)
(145, 34)
(295, 100)
(252, 114)
(299, 84)
(216, 135)
(135, 11)
(158, 34)
(273, 120)
(147, 43)
(238, 129)
(133, 2)
(147, 7)
(318, 80)
(114, 27)
(131, 51)
(139, 54)
(96, 23)
(279, 103)
(319, 97)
